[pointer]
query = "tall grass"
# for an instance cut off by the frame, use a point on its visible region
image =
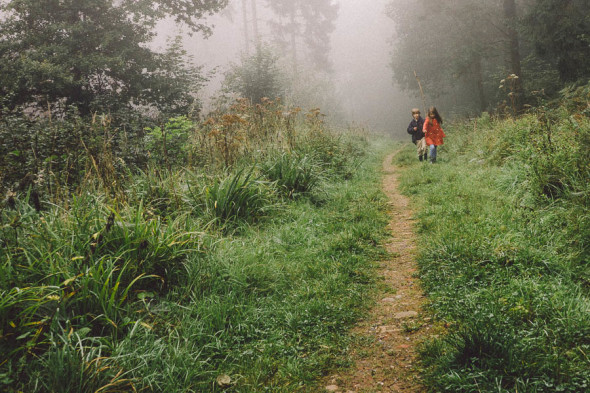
(238, 196)
(293, 173)
(167, 278)
(506, 224)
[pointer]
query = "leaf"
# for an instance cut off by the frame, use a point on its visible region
(224, 380)
(69, 281)
(147, 326)
(83, 332)
(25, 335)
(143, 295)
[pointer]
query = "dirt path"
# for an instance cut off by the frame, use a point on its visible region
(385, 355)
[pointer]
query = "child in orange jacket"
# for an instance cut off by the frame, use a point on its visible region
(433, 133)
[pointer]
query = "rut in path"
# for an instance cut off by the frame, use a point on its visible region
(384, 360)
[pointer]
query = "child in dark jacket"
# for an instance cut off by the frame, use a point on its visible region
(416, 130)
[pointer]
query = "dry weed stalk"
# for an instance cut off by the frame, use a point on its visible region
(245, 130)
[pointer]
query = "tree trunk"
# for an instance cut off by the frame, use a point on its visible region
(255, 23)
(294, 43)
(478, 73)
(246, 35)
(514, 53)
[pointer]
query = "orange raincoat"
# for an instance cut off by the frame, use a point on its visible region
(433, 132)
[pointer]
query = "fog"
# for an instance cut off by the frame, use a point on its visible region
(360, 56)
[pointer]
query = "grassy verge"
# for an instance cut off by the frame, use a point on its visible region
(268, 308)
(192, 283)
(504, 223)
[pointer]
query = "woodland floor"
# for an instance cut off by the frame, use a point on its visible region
(384, 353)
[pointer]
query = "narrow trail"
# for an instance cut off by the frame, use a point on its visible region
(385, 355)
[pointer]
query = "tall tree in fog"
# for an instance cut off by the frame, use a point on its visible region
(306, 24)
(513, 52)
(560, 32)
(455, 46)
(246, 26)
(286, 29)
(93, 53)
(255, 22)
(250, 18)
(443, 43)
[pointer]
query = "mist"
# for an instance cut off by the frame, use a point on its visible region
(361, 55)
(364, 93)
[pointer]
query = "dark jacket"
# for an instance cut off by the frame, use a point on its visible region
(419, 133)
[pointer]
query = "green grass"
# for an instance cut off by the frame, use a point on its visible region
(504, 223)
(160, 290)
(270, 307)
(293, 174)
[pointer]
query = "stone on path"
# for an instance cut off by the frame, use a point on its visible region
(332, 388)
(406, 314)
(387, 329)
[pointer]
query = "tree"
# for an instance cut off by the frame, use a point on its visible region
(308, 22)
(457, 47)
(560, 32)
(257, 77)
(514, 53)
(444, 44)
(93, 54)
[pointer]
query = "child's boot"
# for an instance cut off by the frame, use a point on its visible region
(425, 157)
(420, 157)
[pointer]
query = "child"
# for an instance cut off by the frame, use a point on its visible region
(433, 133)
(415, 129)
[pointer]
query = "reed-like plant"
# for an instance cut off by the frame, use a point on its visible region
(239, 196)
(75, 361)
(293, 173)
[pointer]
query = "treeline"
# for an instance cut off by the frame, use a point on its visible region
(300, 29)
(78, 77)
(476, 56)
(94, 55)
(286, 53)
(80, 85)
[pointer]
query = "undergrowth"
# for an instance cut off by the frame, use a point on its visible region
(238, 272)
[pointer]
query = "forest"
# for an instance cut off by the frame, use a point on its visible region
(191, 191)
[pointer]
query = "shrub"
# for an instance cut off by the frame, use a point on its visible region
(168, 144)
(258, 76)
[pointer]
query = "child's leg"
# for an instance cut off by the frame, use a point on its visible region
(419, 149)
(432, 153)
(422, 148)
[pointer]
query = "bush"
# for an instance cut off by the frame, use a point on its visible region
(257, 77)
(54, 156)
(168, 144)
